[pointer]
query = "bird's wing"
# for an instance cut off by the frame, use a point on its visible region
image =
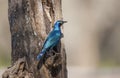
(51, 39)
(49, 35)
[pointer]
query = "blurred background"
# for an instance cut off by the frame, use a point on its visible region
(5, 38)
(92, 38)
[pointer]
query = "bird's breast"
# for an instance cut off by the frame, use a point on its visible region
(58, 34)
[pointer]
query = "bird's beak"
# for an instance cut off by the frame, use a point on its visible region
(64, 22)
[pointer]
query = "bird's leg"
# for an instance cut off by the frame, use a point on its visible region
(49, 53)
(52, 52)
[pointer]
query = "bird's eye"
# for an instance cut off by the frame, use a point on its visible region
(60, 22)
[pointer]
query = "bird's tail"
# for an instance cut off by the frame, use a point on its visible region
(40, 55)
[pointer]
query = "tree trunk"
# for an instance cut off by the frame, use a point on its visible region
(30, 22)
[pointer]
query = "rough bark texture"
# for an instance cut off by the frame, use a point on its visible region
(30, 22)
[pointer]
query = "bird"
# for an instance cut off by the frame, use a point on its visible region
(52, 39)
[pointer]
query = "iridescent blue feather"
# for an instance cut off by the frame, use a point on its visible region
(52, 39)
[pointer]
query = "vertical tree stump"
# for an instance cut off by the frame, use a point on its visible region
(30, 22)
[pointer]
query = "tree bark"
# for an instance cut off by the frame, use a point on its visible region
(30, 22)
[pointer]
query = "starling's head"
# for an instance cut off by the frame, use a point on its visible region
(60, 22)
